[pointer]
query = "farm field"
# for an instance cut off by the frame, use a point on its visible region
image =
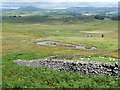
(20, 36)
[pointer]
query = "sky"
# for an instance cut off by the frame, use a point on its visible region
(59, 0)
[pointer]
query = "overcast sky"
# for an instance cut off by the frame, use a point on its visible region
(59, 0)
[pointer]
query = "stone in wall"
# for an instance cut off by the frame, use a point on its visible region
(91, 68)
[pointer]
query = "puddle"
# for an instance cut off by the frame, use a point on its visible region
(62, 44)
(45, 43)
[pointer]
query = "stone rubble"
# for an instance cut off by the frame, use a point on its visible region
(91, 68)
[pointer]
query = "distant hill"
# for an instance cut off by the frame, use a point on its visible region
(7, 9)
(24, 8)
(29, 8)
(92, 9)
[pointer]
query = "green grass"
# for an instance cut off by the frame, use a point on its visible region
(27, 56)
(15, 76)
(88, 58)
(19, 42)
(27, 77)
(24, 36)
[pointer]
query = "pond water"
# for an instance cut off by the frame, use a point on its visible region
(62, 44)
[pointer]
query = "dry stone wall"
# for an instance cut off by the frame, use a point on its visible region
(91, 68)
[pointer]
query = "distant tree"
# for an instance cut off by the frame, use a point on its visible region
(115, 18)
(19, 16)
(14, 16)
(65, 20)
(100, 17)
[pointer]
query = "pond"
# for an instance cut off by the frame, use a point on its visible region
(62, 44)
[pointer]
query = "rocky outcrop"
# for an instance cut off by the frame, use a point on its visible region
(91, 68)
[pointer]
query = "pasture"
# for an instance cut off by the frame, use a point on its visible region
(19, 41)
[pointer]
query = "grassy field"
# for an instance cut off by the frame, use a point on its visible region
(22, 37)
(15, 76)
(19, 42)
